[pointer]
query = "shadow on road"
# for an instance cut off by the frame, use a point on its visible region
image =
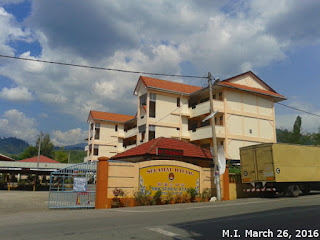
(291, 219)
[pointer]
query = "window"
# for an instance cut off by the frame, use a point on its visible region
(178, 102)
(152, 132)
(215, 121)
(97, 131)
(220, 96)
(221, 120)
(221, 143)
(214, 96)
(250, 131)
(152, 105)
(97, 135)
(143, 100)
(152, 111)
(142, 132)
(116, 128)
(96, 150)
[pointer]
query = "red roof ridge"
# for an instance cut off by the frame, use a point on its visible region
(154, 144)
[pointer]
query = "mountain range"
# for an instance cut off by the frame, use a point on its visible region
(12, 145)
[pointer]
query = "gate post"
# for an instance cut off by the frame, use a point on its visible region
(225, 180)
(102, 183)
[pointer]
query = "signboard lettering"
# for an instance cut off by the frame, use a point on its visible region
(169, 152)
(169, 178)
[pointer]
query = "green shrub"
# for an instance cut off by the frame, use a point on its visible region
(157, 197)
(206, 194)
(193, 193)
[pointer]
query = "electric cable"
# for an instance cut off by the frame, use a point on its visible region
(101, 68)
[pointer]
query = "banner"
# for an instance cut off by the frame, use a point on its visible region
(168, 178)
(80, 184)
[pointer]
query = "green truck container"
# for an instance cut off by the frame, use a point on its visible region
(283, 168)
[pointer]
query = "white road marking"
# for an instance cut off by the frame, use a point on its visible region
(164, 232)
(168, 233)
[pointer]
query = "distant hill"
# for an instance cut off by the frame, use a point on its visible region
(79, 146)
(12, 145)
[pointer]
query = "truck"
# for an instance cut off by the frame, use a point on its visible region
(273, 168)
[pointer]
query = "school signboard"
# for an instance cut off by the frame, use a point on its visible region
(168, 178)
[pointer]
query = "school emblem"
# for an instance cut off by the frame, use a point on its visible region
(171, 176)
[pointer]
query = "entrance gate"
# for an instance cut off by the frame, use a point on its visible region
(73, 187)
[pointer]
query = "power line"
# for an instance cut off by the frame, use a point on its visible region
(297, 109)
(128, 71)
(100, 68)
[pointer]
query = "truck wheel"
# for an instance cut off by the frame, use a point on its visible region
(293, 190)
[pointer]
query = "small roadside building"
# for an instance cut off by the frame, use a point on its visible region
(167, 149)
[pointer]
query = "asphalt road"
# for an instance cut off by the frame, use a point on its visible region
(180, 221)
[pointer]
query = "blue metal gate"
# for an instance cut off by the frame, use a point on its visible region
(73, 187)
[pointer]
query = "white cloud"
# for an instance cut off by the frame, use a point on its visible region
(16, 124)
(69, 137)
(131, 35)
(11, 31)
(16, 94)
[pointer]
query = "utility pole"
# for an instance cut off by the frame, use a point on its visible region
(69, 158)
(40, 137)
(214, 149)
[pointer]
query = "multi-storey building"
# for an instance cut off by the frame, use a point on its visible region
(245, 116)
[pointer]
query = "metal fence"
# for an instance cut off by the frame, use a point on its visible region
(73, 187)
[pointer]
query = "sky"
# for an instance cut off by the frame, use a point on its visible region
(279, 40)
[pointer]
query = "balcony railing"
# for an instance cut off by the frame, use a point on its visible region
(205, 132)
(129, 147)
(130, 133)
(204, 108)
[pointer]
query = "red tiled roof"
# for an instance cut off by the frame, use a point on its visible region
(42, 159)
(150, 147)
(251, 89)
(114, 117)
(167, 85)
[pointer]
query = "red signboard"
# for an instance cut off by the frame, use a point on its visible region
(169, 152)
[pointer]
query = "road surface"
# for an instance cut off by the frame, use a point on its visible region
(237, 219)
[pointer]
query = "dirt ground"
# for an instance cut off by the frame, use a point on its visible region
(23, 201)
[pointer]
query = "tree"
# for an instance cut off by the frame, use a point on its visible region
(30, 151)
(61, 155)
(296, 136)
(47, 148)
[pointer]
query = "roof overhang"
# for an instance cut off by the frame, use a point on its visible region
(277, 98)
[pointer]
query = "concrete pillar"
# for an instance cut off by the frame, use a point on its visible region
(102, 182)
(225, 180)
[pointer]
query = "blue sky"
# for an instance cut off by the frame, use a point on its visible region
(278, 40)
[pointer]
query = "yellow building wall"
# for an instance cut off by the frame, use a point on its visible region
(248, 81)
